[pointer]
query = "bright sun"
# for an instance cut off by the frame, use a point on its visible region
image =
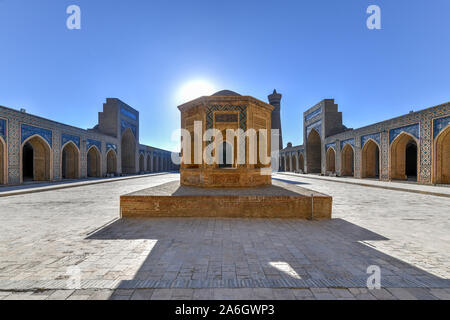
(195, 89)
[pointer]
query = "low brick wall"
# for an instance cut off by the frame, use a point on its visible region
(302, 207)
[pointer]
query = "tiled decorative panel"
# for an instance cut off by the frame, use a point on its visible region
(125, 125)
(142, 151)
(67, 137)
(111, 146)
(439, 125)
(411, 129)
(91, 142)
(367, 137)
(3, 129)
(242, 114)
(313, 114)
(350, 141)
(330, 145)
(27, 131)
(128, 113)
(317, 126)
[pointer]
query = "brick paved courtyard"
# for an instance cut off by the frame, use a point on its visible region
(405, 234)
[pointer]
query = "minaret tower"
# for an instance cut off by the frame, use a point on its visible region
(274, 100)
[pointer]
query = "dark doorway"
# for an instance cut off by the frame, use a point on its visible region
(411, 160)
(27, 161)
(225, 156)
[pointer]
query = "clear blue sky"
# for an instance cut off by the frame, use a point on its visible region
(143, 51)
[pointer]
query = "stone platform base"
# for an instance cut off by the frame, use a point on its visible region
(280, 200)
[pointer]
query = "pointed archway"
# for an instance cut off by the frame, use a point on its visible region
(128, 152)
(70, 164)
(36, 159)
(370, 160)
(149, 163)
(331, 160)
(314, 152)
(155, 164)
(111, 162)
(2, 161)
(294, 163)
(288, 163)
(404, 159)
(301, 162)
(93, 162)
(141, 163)
(347, 161)
(442, 157)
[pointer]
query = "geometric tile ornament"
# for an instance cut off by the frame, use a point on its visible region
(313, 114)
(330, 145)
(67, 137)
(411, 129)
(91, 142)
(439, 125)
(27, 131)
(111, 146)
(349, 141)
(125, 125)
(374, 136)
(316, 125)
(3, 129)
(128, 114)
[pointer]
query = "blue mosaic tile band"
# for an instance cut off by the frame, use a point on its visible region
(90, 143)
(367, 137)
(110, 146)
(316, 125)
(142, 151)
(27, 131)
(128, 113)
(330, 145)
(125, 125)
(242, 114)
(411, 129)
(313, 114)
(350, 141)
(3, 129)
(439, 125)
(67, 137)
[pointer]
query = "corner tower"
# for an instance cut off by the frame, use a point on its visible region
(275, 101)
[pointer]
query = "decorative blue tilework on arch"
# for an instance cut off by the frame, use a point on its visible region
(411, 129)
(313, 114)
(316, 125)
(373, 136)
(125, 125)
(110, 146)
(330, 145)
(91, 142)
(350, 141)
(67, 137)
(142, 151)
(439, 125)
(128, 113)
(27, 131)
(3, 129)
